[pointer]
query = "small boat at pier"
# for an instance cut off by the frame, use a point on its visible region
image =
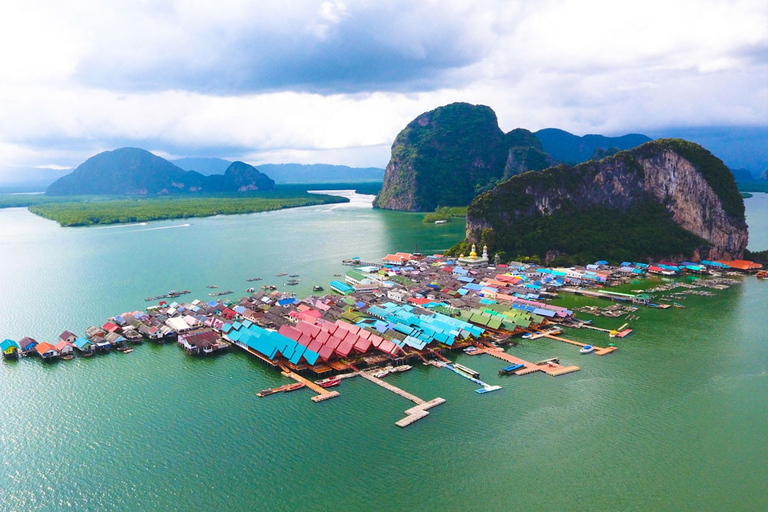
(401, 368)
(293, 387)
(467, 370)
(586, 349)
(511, 369)
(329, 382)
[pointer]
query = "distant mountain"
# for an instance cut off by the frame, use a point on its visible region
(742, 175)
(291, 173)
(205, 166)
(740, 147)
(572, 149)
(321, 173)
(137, 172)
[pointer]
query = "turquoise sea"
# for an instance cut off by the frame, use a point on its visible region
(677, 419)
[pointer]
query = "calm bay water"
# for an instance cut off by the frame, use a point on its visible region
(675, 420)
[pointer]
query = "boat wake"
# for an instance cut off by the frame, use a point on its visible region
(164, 227)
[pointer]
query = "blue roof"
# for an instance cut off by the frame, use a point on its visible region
(7, 343)
(285, 302)
(473, 286)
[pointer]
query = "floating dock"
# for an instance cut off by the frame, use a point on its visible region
(413, 414)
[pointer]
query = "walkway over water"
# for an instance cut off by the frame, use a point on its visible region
(413, 414)
(550, 368)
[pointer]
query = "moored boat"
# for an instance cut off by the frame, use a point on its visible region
(467, 370)
(317, 288)
(293, 387)
(401, 368)
(329, 382)
(266, 392)
(586, 349)
(511, 369)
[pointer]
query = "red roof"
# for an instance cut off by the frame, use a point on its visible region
(333, 342)
(110, 327)
(326, 352)
(344, 349)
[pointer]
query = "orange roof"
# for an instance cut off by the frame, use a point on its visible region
(44, 347)
(741, 264)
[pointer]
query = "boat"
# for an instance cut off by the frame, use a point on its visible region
(292, 282)
(317, 288)
(294, 275)
(527, 335)
(68, 357)
(381, 373)
(401, 368)
(266, 392)
(470, 349)
(252, 279)
(281, 274)
(441, 221)
(586, 349)
(467, 370)
(293, 387)
(250, 290)
(763, 274)
(678, 305)
(124, 348)
(511, 368)
(219, 294)
(329, 382)
(211, 286)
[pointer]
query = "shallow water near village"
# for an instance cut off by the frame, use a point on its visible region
(676, 419)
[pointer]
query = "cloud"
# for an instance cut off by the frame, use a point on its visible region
(335, 81)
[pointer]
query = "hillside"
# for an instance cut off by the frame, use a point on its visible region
(137, 172)
(665, 199)
(446, 156)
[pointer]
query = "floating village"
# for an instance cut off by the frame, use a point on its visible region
(382, 317)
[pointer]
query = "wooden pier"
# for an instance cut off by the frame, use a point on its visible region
(322, 393)
(551, 368)
(600, 351)
(413, 414)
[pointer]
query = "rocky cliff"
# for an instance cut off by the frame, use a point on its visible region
(446, 156)
(665, 199)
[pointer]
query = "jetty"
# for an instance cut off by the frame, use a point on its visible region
(413, 414)
(549, 366)
(462, 370)
(322, 395)
(600, 351)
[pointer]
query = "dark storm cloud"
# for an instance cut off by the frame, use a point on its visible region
(392, 47)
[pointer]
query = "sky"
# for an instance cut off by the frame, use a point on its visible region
(327, 81)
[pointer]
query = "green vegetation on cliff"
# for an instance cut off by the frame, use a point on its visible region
(444, 157)
(644, 232)
(621, 208)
